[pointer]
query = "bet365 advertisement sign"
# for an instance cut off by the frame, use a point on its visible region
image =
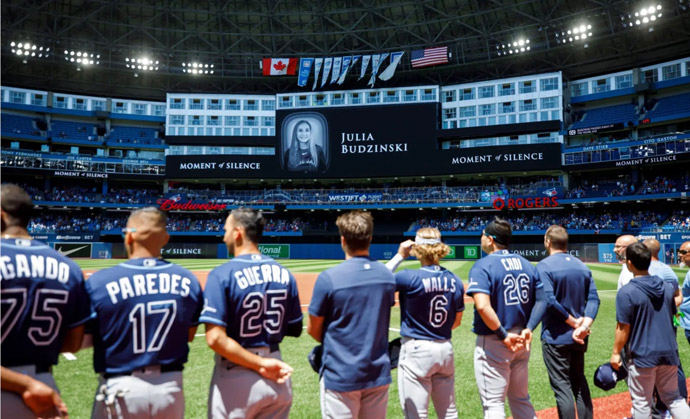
(463, 252)
(362, 141)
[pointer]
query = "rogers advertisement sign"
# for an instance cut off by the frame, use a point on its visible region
(510, 203)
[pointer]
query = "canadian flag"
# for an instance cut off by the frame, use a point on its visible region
(280, 66)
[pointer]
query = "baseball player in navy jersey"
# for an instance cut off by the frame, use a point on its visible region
(145, 312)
(350, 314)
(431, 305)
(44, 307)
(508, 304)
(251, 303)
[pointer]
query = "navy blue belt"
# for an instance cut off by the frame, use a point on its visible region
(163, 368)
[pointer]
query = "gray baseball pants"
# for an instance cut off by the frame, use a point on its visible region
(370, 403)
(501, 372)
(641, 382)
(427, 368)
(146, 393)
(12, 403)
(238, 392)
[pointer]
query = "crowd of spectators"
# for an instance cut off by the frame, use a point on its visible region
(576, 220)
(626, 186)
(177, 222)
(678, 221)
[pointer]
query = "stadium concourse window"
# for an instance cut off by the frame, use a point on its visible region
(373, 97)
(624, 81)
(466, 94)
(158, 110)
(176, 103)
(486, 92)
(410, 96)
(213, 120)
(506, 89)
(214, 105)
(59, 102)
(601, 85)
(449, 95)
(391, 97)
(468, 111)
(38, 99)
(268, 105)
(99, 105)
(506, 107)
(650, 76)
(268, 121)
(176, 120)
(489, 109)
(286, 102)
(527, 86)
(450, 124)
(670, 72)
(251, 121)
(429, 94)
(549, 102)
(194, 120)
(302, 101)
(450, 113)
(338, 98)
(528, 105)
(355, 98)
(196, 104)
(232, 121)
(120, 107)
(139, 109)
(320, 100)
(579, 89)
(251, 105)
(233, 105)
(549, 84)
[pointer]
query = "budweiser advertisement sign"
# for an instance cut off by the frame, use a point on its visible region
(177, 203)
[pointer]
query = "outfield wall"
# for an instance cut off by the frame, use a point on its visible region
(588, 252)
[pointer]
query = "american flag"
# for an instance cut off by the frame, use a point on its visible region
(428, 57)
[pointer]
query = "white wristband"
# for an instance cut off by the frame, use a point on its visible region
(393, 264)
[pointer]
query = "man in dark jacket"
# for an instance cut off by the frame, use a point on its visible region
(644, 311)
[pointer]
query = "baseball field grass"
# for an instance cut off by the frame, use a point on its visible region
(78, 382)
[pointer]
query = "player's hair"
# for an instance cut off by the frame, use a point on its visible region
(434, 251)
(638, 254)
(153, 214)
(357, 227)
(500, 230)
(294, 153)
(558, 236)
(653, 246)
(17, 204)
(251, 220)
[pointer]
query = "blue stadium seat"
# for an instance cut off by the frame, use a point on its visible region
(672, 105)
(608, 115)
(17, 124)
(72, 130)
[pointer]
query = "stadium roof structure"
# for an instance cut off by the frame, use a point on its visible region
(235, 35)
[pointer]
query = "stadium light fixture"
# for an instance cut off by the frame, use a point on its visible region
(514, 47)
(142, 63)
(645, 15)
(577, 33)
(82, 58)
(28, 50)
(197, 68)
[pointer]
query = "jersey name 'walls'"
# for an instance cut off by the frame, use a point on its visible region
(34, 267)
(264, 273)
(439, 284)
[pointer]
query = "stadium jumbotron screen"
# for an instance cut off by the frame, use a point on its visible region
(396, 140)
